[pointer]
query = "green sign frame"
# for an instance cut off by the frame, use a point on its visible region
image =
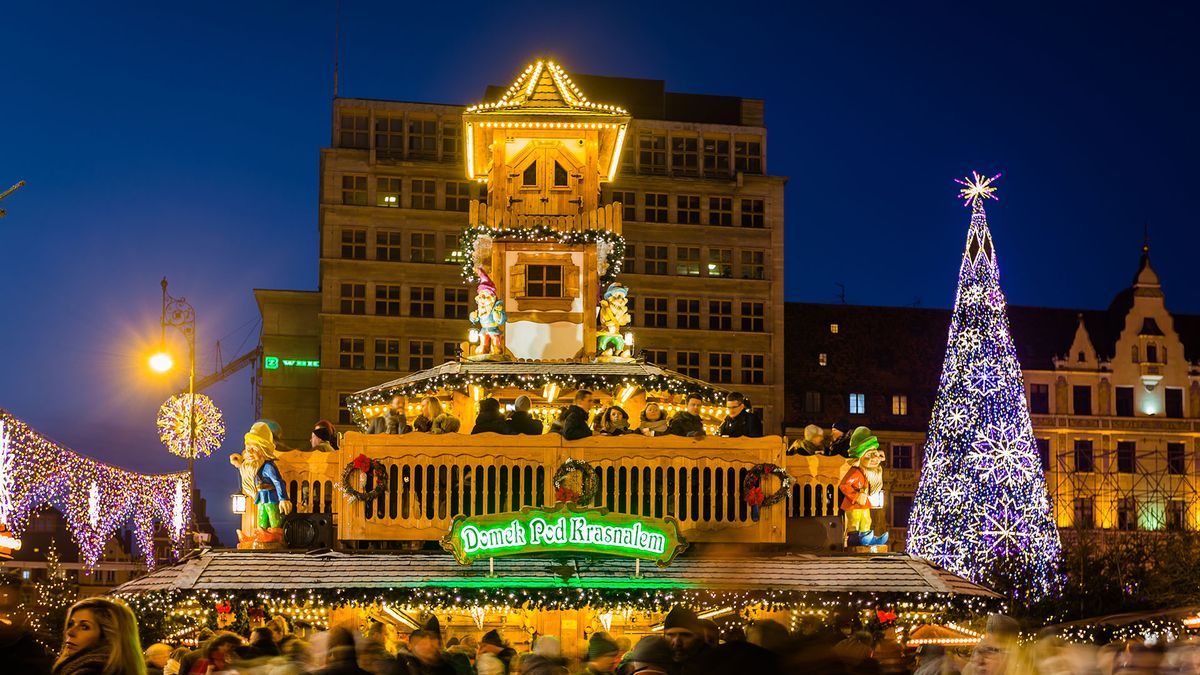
(564, 528)
(273, 363)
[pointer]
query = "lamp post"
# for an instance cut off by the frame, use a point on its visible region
(179, 313)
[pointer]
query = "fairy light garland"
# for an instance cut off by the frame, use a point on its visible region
(96, 500)
(610, 245)
(174, 425)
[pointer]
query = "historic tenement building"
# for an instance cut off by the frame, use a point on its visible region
(1114, 395)
(702, 216)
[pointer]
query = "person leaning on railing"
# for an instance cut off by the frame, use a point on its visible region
(392, 421)
(653, 421)
(520, 422)
(434, 419)
(741, 421)
(813, 442)
(614, 421)
(688, 422)
(572, 422)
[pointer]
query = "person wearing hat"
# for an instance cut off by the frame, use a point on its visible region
(685, 635)
(520, 421)
(651, 656)
(269, 491)
(324, 437)
(487, 660)
(489, 316)
(614, 316)
(862, 487)
(601, 655)
(839, 439)
(425, 645)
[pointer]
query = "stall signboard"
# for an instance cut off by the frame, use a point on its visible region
(564, 528)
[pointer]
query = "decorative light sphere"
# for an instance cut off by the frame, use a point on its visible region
(161, 362)
(174, 418)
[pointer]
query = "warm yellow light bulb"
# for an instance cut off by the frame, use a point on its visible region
(161, 362)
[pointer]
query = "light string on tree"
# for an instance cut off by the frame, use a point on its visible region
(95, 499)
(174, 426)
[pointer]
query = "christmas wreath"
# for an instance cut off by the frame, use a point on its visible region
(367, 466)
(752, 490)
(589, 484)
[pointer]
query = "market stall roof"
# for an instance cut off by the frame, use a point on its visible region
(252, 571)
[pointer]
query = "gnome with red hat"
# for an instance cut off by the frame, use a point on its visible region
(489, 317)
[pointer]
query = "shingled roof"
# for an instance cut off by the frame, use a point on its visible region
(253, 571)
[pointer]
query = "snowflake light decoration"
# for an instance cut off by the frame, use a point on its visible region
(1004, 455)
(970, 339)
(174, 423)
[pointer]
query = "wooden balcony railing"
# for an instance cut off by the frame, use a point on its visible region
(607, 218)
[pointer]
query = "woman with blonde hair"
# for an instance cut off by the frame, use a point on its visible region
(100, 637)
(434, 419)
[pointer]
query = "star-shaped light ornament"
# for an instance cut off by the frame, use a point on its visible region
(983, 379)
(976, 188)
(1006, 529)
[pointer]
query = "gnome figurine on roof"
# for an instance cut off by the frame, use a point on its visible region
(262, 482)
(614, 316)
(489, 318)
(862, 487)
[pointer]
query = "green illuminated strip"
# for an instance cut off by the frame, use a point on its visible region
(273, 362)
(551, 582)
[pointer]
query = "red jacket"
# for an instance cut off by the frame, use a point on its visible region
(854, 484)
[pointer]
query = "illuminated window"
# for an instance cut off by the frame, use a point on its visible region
(899, 404)
(353, 130)
(652, 152)
(458, 195)
(387, 355)
(688, 363)
(656, 260)
(685, 156)
(628, 202)
(687, 313)
(544, 281)
(388, 246)
(716, 156)
(753, 316)
(833, 328)
(387, 192)
(1085, 457)
(350, 353)
(902, 456)
(720, 367)
(420, 302)
(655, 207)
(456, 303)
(812, 402)
(753, 213)
(353, 298)
(1039, 399)
(422, 139)
(354, 244)
(720, 262)
(387, 300)
(858, 404)
(354, 190)
(720, 211)
(687, 209)
(822, 359)
(1126, 457)
(451, 147)
(389, 137)
(422, 247)
(747, 156)
(1085, 513)
(424, 194)
(687, 261)
(654, 312)
(753, 264)
(1124, 401)
(1176, 459)
(420, 354)
(720, 315)
(451, 253)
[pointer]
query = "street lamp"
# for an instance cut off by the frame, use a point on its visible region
(179, 313)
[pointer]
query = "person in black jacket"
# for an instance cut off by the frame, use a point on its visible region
(520, 421)
(740, 421)
(489, 418)
(572, 422)
(840, 439)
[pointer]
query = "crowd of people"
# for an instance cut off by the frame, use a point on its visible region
(101, 638)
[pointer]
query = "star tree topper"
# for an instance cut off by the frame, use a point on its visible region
(977, 188)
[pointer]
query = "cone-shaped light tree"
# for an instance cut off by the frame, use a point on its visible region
(981, 508)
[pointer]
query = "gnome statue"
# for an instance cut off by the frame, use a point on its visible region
(262, 482)
(489, 317)
(862, 487)
(614, 316)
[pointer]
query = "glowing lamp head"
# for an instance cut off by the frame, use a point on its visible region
(161, 362)
(238, 503)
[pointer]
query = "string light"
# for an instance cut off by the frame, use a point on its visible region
(609, 245)
(174, 425)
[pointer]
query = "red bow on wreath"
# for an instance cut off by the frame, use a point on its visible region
(362, 463)
(224, 608)
(885, 616)
(565, 494)
(755, 496)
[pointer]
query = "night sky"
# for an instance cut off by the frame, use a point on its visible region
(183, 141)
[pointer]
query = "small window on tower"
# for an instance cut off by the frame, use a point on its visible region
(544, 281)
(530, 175)
(560, 176)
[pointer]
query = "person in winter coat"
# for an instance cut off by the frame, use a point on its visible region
(839, 437)
(100, 637)
(427, 655)
(324, 437)
(601, 655)
(489, 418)
(156, 657)
(434, 419)
(813, 442)
(740, 422)
(651, 656)
(520, 421)
(687, 422)
(340, 657)
(613, 422)
(572, 422)
(392, 421)
(488, 662)
(652, 420)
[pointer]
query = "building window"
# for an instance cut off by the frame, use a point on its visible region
(451, 253)
(833, 328)
(544, 281)
(420, 354)
(754, 264)
(1085, 513)
(450, 143)
(422, 247)
(629, 261)
(720, 315)
(1176, 514)
(354, 244)
(424, 194)
(656, 356)
(387, 355)
(353, 128)
(1124, 401)
(387, 192)
(687, 313)
(387, 300)
(902, 456)
(1126, 514)
(450, 351)
(654, 312)
(458, 195)
(812, 402)
(688, 363)
(628, 202)
(1176, 459)
(354, 190)
(1043, 450)
(1085, 457)
(1151, 353)
(1126, 457)
(656, 260)
(351, 353)
(655, 207)
(1081, 394)
(1174, 402)
(420, 301)
(422, 139)
(652, 153)
(901, 510)
(747, 156)
(858, 404)
(753, 213)
(822, 359)
(720, 211)
(389, 137)
(720, 262)
(720, 367)
(387, 246)
(716, 156)
(753, 316)
(687, 261)
(685, 156)
(1039, 399)
(899, 404)
(456, 306)
(687, 209)
(354, 298)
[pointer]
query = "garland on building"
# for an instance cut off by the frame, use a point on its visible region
(367, 467)
(610, 246)
(752, 490)
(589, 484)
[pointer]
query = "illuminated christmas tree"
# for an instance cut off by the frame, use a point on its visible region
(52, 596)
(981, 508)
